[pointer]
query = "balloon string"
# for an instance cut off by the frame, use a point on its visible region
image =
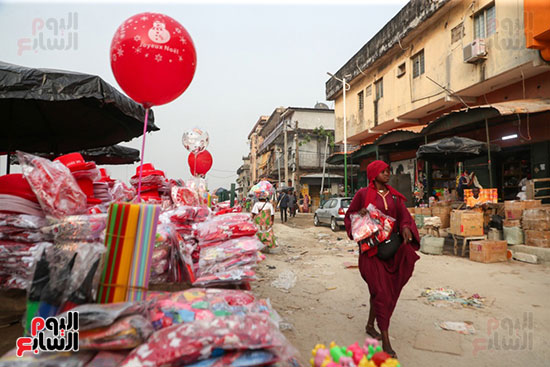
(142, 151)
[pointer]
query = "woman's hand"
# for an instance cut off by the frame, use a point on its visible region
(407, 234)
(363, 212)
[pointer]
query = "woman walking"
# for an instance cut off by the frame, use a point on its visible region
(385, 277)
(263, 215)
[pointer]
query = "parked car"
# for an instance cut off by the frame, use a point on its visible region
(332, 212)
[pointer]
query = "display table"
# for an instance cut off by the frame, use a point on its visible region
(465, 240)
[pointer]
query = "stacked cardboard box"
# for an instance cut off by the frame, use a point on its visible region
(444, 213)
(536, 224)
(513, 211)
(466, 223)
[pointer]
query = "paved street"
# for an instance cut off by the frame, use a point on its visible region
(329, 302)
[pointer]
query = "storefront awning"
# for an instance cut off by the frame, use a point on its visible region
(466, 116)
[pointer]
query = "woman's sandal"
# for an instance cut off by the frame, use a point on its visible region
(371, 331)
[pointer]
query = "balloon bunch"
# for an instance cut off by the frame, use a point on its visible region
(199, 160)
(153, 60)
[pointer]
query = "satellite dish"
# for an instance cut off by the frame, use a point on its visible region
(321, 106)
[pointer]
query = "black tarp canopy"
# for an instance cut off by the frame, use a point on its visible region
(59, 111)
(454, 147)
(114, 154)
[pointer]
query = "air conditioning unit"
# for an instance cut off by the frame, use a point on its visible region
(475, 51)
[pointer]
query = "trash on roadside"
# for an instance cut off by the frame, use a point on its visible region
(442, 297)
(461, 327)
(284, 325)
(286, 280)
(271, 267)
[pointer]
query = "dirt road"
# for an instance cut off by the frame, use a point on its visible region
(329, 302)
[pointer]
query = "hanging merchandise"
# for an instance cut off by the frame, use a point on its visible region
(195, 140)
(200, 163)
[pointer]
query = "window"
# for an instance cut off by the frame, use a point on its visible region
(418, 64)
(379, 89)
(368, 91)
(485, 23)
(401, 70)
(361, 100)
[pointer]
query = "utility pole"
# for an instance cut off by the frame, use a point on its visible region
(279, 165)
(285, 153)
(297, 150)
(324, 167)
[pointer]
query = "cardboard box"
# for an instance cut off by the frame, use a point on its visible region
(537, 238)
(536, 219)
(466, 223)
(511, 223)
(444, 213)
(513, 209)
(488, 251)
(411, 210)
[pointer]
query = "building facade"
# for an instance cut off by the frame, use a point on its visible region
(436, 58)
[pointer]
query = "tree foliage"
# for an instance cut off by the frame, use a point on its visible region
(319, 132)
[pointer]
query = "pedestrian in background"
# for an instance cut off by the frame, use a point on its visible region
(292, 204)
(282, 203)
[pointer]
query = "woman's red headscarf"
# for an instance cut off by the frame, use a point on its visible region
(373, 170)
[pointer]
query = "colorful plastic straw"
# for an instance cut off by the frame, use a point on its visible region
(143, 252)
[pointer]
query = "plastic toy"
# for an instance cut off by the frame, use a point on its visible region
(364, 362)
(371, 347)
(357, 352)
(380, 357)
(337, 352)
(321, 356)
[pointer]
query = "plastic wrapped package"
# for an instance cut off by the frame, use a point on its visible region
(374, 223)
(185, 196)
(53, 359)
(54, 186)
(224, 227)
(229, 276)
(120, 192)
(189, 342)
(205, 303)
(247, 358)
(229, 249)
(93, 315)
(23, 235)
(77, 227)
(172, 260)
(89, 174)
(23, 221)
(125, 333)
(247, 259)
(186, 213)
(106, 358)
(149, 180)
(17, 263)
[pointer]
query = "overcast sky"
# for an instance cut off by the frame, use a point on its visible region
(251, 58)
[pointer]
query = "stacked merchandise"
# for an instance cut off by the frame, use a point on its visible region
(152, 182)
(225, 207)
(102, 187)
(205, 304)
(368, 355)
(172, 261)
(85, 173)
(536, 223)
(229, 250)
(21, 240)
(184, 217)
(21, 243)
(512, 225)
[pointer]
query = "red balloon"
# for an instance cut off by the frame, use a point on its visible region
(153, 58)
(201, 163)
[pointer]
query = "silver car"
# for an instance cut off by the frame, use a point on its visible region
(332, 212)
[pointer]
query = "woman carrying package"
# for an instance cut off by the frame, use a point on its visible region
(385, 273)
(263, 215)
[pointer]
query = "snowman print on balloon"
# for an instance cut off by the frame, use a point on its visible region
(158, 33)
